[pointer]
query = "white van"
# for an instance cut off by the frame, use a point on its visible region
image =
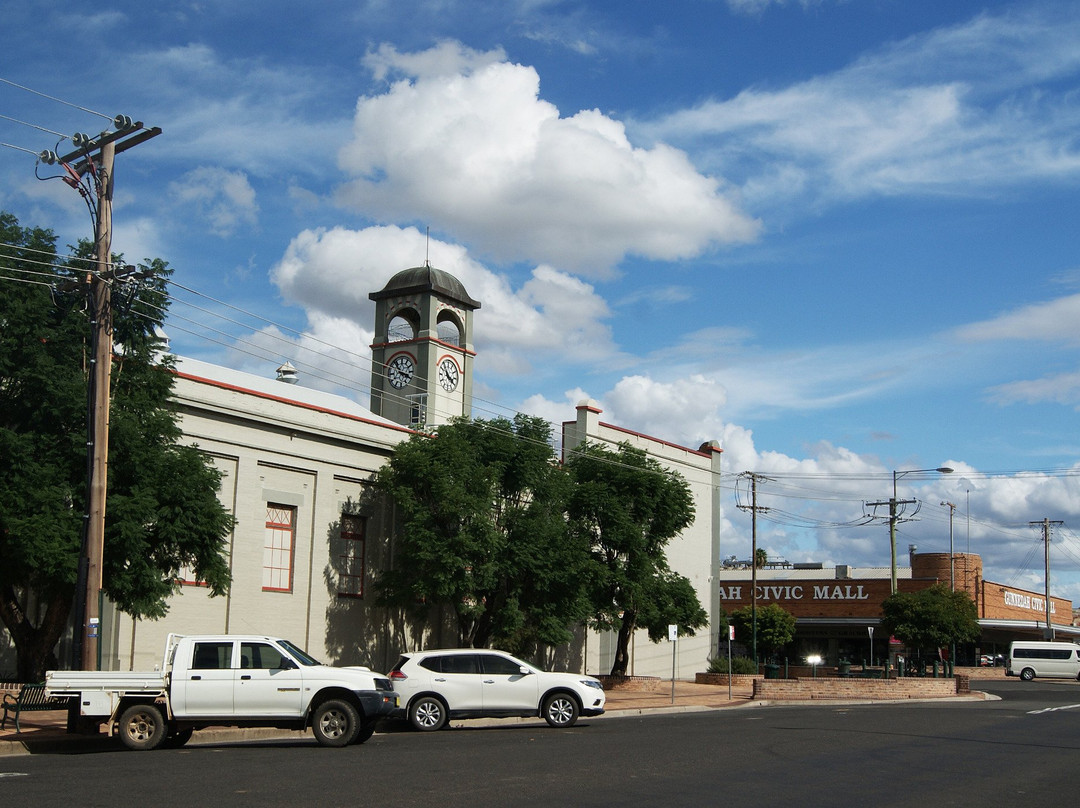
(1057, 660)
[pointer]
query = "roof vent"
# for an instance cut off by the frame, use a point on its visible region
(287, 373)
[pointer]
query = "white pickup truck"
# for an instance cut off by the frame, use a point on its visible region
(229, 680)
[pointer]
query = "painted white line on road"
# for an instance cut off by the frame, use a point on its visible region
(14, 774)
(1053, 709)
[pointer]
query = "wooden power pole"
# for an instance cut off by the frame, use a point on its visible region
(99, 280)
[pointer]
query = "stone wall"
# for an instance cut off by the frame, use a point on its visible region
(858, 689)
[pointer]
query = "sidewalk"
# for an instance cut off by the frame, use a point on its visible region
(46, 732)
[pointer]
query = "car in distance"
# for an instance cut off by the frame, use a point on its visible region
(436, 686)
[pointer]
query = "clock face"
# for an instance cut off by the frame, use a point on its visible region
(448, 375)
(400, 371)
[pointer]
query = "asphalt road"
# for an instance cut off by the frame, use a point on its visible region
(1020, 750)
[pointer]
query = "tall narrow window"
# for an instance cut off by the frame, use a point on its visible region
(278, 547)
(351, 556)
(418, 415)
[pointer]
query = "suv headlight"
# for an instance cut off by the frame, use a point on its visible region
(592, 683)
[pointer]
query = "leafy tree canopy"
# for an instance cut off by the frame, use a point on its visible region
(932, 618)
(626, 507)
(484, 533)
(775, 626)
(162, 512)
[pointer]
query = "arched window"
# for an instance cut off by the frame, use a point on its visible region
(449, 330)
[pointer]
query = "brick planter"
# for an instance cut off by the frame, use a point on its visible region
(640, 684)
(745, 679)
(862, 689)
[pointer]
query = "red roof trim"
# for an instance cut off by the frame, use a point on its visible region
(293, 402)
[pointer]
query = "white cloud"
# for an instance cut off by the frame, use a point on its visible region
(758, 6)
(481, 154)
(1054, 320)
(255, 115)
(1062, 388)
(448, 58)
(331, 273)
(961, 110)
(1051, 321)
(224, 199)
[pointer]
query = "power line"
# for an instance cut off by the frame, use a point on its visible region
(57, 100)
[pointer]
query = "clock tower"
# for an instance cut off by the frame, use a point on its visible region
(422, 356)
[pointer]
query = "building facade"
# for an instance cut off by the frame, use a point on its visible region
(310, 534)
(838, 610)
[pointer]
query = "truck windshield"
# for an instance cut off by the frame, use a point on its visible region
(302, 656)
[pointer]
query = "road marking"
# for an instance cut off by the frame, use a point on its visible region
(14, 774)
(1053, 709)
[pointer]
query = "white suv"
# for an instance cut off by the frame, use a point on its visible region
(474, 683)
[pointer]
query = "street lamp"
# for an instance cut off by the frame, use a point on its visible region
(892, 516)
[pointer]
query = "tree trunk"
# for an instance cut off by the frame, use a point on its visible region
(35, 646)
(622, 647)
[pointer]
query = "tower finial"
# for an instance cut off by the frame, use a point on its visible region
(427, 246)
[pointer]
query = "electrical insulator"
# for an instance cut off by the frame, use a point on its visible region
(47, 157)
(122, 122)
(80, 140)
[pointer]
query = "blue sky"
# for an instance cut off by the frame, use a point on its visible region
(835, 236)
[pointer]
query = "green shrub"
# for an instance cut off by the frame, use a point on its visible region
(739, 664)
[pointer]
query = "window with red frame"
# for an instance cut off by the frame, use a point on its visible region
(278, 544)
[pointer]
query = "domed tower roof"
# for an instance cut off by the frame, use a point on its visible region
(426, 279)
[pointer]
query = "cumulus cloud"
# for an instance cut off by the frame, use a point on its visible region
(224, 199)
(467, 141)
(330, 272)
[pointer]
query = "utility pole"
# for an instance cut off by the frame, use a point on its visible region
(952, 564)
(893, 502)
(1046, 523)
(753, 508)
(100, 166)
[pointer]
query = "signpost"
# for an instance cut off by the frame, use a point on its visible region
(730, 637)
(673, 638)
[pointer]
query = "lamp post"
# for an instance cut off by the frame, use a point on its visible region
(893, 502)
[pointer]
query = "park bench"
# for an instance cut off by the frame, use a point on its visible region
(31, 698)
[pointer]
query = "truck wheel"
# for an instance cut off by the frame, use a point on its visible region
(335, 723)
(427, 714)
(1027, 674)
(367, 729)
(142, 727)
(176, 739)
(560, 710)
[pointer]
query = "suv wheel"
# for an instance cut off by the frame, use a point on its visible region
(427, 714)
(560, 710)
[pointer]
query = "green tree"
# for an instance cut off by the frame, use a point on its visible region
(932, 618)
(775, 626)
(162, 515)
(626, 508)
(484, 533)
(761, 557)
